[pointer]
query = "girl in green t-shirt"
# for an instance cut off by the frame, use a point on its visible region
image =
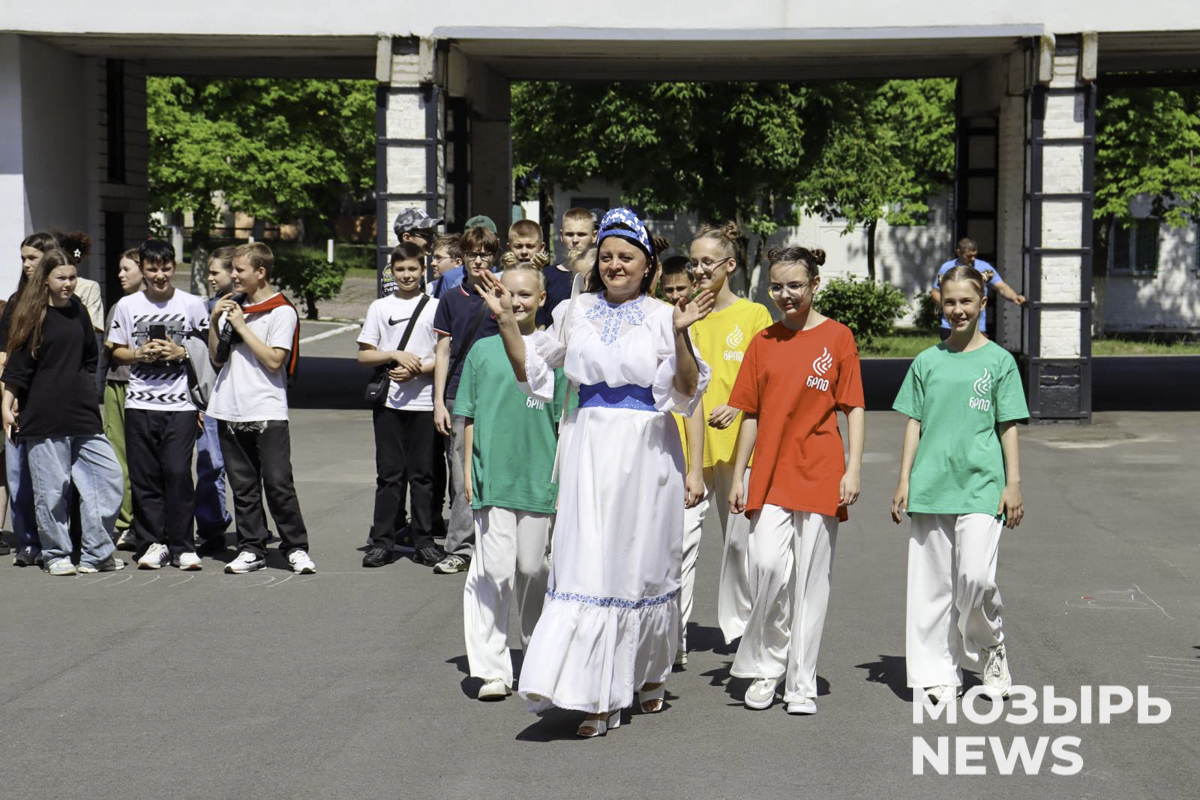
(960, 482)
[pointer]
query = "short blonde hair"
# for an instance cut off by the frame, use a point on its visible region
(259, 255)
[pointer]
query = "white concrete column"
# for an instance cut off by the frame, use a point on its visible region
(14, 213)
(1062, 123)
(410, 132)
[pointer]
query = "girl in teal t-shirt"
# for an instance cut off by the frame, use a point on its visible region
(510, 441)
(960, 482)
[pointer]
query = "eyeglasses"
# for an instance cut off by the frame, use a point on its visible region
(705, 267)
(479, 256)
(791, 288)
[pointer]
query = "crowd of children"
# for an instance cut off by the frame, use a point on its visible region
(581, 419)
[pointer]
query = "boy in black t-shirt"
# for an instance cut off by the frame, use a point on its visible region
(462, 318)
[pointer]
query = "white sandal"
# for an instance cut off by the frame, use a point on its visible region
(650, 696)
(599, 727)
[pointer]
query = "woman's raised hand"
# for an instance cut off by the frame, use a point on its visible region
(688, 312)
(494, 293)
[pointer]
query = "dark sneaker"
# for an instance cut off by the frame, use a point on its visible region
(4, 549)
(27, 556)
(452, 564)
(427, 556)
(377, 557)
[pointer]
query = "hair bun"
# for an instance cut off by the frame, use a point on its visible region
(76, 244)
(818, 255)
(773, 254)
(731, 231)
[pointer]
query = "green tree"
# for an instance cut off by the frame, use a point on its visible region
(279, 150)
(889, 147)
(1147, 146)
(725, 150)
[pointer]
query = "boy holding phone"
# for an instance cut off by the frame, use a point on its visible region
(147, 333)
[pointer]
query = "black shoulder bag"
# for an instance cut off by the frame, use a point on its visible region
(377, 388)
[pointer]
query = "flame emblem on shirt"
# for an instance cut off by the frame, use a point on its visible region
(735, 338)
(823, 362)
(983, 384)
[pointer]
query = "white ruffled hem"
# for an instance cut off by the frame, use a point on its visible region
(586, 655)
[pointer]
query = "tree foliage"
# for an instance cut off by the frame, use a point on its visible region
(725, 150)
(280, 150)
(889, 147)
(1148, 146)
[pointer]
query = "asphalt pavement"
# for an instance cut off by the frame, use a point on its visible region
(352, 682)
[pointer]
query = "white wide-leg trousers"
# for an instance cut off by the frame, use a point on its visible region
(954, 605)
(510, 556)
(734, 592)
(791, 554)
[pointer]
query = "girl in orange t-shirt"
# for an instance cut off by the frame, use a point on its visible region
(795, 375)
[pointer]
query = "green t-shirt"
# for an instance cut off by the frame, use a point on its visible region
(960, 399)
(515, 436)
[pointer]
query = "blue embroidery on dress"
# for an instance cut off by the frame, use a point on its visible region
(612, 602)
(630, 313)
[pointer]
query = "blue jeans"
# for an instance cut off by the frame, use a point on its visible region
(90, 463)
(20, 494)
(212, 515)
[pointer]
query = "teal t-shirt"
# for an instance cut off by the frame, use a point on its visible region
(960, 399)
(515, 436)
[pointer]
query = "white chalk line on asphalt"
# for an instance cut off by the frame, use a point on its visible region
(316, 337)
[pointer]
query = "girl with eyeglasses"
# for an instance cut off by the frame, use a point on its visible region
(722, 339)
(796, 376)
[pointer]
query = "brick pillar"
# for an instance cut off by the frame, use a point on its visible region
(410, 131)
(1059, 212)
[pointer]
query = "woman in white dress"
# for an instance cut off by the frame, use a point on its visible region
(610, 623)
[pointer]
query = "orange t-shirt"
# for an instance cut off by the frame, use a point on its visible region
(794, 382)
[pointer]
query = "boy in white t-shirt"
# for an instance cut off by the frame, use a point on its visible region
(404, 432)
(250, 402)
(147, 333)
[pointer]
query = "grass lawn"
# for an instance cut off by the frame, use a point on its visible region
(903, 343)
(1117, 346)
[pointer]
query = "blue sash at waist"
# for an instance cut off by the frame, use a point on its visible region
(601, 395)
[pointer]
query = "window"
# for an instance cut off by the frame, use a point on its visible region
(1134, 250)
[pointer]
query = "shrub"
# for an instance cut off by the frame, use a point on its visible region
(306, 274)
(929, 316)
(868, 309)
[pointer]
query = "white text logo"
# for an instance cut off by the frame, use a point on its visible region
(820, 366)
(983, 388)
(968, 755)
(734, 342)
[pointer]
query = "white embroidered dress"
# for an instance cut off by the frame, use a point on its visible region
(610, 622)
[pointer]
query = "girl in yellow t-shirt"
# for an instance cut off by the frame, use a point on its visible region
(722, 339)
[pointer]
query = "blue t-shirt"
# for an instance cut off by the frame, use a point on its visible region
(558, 289)
(455, 314)
(450, 279)
(983, 268)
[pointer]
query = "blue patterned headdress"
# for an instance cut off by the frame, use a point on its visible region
(633, 229)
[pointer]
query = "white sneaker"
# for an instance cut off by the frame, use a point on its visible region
(245, 562)
(806, 706)
(110, 564)
(995, 671)
(301, 563)
(493, 689)
(187, 561)
(62, 566)
(156, 557)
(761, 693)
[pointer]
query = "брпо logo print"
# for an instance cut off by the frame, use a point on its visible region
(983, 388)
(821, 365)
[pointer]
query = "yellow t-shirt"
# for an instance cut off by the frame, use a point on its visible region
(722, 338)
